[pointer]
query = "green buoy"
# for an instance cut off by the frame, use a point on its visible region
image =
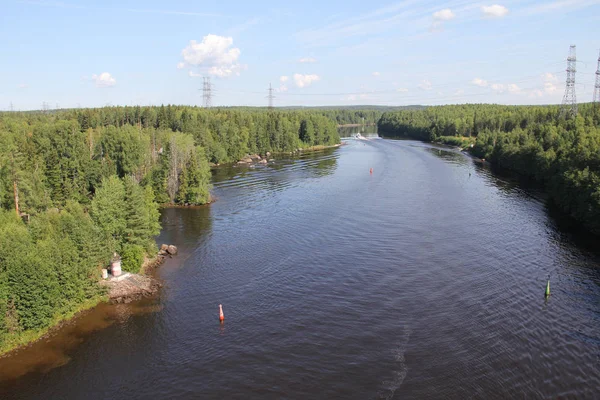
(547, 289)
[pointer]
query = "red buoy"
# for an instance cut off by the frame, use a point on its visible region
(221, 316)
(371, 171)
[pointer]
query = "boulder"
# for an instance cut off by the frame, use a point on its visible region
(172, 250)
(164, 247)
(262, 161)
(162, 252)
(268, 154)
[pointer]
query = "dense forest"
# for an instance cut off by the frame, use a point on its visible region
(78, 185)
(558, 149)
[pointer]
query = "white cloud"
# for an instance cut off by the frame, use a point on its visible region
(402, 90)
(513, 88)
(376, 73)
(439, 17)
(22, 86)
(215, 53)
(549, 86)
(536, 93)
(305, 80)
(494, 11)
(180, 65)
(224, 72)
(307, 60)
(479, 82)
(549, 77)
(425, 85)
(283, 87)
(459, 92)
(550, 83)
(443, 15)
(498, 87)
(193, 74)
(104, 80)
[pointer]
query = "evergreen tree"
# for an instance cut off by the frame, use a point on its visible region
(136, 231)
(109, 212)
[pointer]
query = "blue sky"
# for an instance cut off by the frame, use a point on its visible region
(127, 52)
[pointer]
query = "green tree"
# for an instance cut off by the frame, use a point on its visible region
(109, 212)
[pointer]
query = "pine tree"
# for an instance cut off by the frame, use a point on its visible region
(109, 212)
(152, 214)
(136, 229)
(197, 179)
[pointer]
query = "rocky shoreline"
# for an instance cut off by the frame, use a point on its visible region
(131, 287)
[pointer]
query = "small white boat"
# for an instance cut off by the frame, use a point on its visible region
(358, 136)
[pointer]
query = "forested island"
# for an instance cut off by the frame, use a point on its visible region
(558, 149)
(78, 185)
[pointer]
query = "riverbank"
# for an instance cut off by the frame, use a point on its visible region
(354, 125)
(268, 157)
(130, 287)
(17, 341)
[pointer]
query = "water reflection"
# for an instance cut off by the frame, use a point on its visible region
(55, 349)
(184, 226)
(279, 173)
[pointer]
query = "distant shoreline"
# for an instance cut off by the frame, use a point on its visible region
(354, 125)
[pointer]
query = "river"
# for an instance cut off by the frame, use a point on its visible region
(422, 280)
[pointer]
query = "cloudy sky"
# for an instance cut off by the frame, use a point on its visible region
(125, 52)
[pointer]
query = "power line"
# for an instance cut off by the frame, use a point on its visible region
(206, 92)
(597, 86)
(569, 103)
(392, 91)
(270, 96)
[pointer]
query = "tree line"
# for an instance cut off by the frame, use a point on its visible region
(89, 182)
(558, 149)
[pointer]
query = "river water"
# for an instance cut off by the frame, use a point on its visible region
(424, 279)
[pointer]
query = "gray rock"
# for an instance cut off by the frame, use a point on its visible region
(172, 250)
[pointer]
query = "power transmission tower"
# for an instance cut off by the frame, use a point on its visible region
(569, 103)
(597, 87)
(12, 107)
(206, 92)
(270, 96)
(45, 107)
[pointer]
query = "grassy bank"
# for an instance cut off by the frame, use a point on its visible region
(24, 338)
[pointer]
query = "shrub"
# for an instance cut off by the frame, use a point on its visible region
(132, 257)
